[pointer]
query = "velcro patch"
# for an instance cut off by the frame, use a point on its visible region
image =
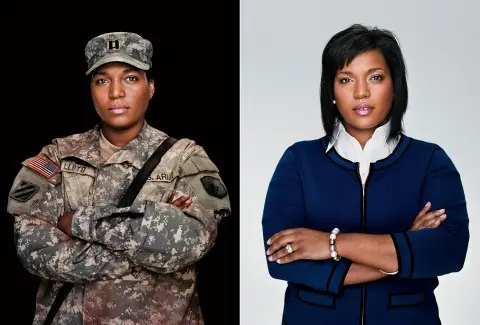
(24, 191)
(72, 167)
(197, 164)
(214, 186)
(44, 166)
(204, 164)
(160, 177)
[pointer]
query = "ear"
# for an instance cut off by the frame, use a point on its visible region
(151, 86)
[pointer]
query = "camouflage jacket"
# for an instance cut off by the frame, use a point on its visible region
(133, 265)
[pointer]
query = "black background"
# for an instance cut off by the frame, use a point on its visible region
(44, 94)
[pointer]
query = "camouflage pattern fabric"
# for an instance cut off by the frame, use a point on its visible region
(132, 265)
(124, 47)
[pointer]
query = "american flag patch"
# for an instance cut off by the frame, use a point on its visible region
(44, 166)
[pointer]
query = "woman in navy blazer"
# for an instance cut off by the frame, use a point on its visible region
(361, 240)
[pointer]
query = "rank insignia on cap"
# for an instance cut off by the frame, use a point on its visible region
(113, 45)
(44, 166)
(24, 191)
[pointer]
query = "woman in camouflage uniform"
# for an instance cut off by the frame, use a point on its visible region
(130, 265)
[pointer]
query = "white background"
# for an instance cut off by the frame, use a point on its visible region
(281, 47)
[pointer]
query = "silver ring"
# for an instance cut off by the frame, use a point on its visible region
(289, 249)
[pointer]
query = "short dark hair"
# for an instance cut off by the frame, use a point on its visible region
(341, 49)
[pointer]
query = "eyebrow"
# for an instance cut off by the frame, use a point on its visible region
(126, 70)
(368, 71)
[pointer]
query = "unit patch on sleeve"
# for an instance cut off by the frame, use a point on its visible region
(44, 166)
(24, 191)
(214, 186)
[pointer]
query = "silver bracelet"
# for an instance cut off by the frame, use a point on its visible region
(389, 273)
(333, 237)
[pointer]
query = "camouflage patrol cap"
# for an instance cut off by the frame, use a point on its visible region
(124, 47)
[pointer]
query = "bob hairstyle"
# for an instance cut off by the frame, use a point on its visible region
(342, 48)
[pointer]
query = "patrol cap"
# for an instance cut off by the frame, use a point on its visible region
(124, 47)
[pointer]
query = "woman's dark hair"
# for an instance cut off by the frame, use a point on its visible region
(342, 48)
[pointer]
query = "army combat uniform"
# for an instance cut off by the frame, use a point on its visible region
(132, 265)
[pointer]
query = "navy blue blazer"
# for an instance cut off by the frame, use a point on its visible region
(318, 190)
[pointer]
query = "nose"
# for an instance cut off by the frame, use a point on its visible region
(361, 90)
(116, 90)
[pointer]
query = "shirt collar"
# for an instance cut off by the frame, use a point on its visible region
(381, 133)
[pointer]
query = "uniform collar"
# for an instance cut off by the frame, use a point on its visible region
(86, 147)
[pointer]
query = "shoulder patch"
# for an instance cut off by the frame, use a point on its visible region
(24, 191)
(214, 186)
(44, 166)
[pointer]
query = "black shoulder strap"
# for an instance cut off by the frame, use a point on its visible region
(61, 295)
(126, 200)
(131, 193)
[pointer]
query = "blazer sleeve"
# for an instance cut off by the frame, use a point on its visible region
(284, 208)
(434, 252)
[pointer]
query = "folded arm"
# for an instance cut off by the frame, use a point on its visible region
(434, 252)
(427, 252)
(284, 209)
(42, 248)
(433, 246)
(158, 235)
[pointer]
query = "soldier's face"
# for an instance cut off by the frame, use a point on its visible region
(121, 95)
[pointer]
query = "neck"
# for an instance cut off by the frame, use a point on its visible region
(121, 137)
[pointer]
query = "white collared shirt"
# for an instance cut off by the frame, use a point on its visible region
(376, 148)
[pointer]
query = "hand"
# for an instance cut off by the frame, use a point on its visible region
(181, 202)
(428, 220)
(65, 222)
(306, 244)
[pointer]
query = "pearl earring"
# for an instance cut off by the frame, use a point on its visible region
(334, 102)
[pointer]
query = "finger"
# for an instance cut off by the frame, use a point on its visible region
(180, 205)
(297, 255)
(436, 222)
(281, 253)
(419, 216)
(185, 205)
(181, 200)
(281, 234)
(424, 220)
(415, 224)
(441, 219)
(176, 195)
(172, 196)
(281, 242)
(424, 209)
(422, 212)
